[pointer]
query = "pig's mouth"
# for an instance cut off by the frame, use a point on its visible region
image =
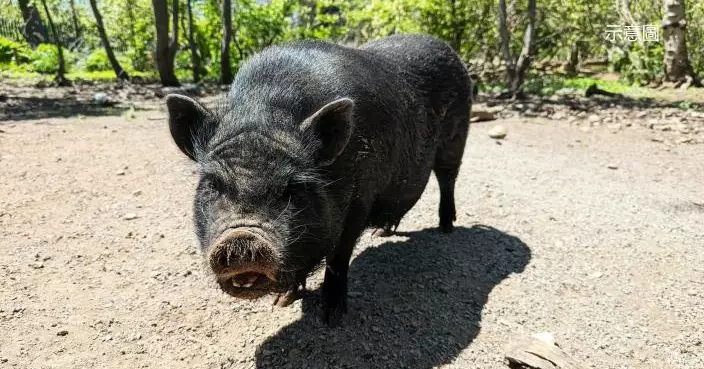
(245, 263)
(248, 284)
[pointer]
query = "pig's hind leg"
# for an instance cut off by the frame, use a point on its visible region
(447, 165)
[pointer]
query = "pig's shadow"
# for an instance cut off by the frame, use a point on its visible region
(414, 303)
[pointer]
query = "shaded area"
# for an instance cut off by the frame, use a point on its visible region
(414, 303)
(90, 99)
(533, 105)
(14, 108)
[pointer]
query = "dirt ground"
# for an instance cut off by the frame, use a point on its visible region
(594, 236)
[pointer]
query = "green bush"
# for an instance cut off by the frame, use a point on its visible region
(13, 52)
(97, 61)
(45, 59)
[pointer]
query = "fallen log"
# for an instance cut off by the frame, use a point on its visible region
(595, 90)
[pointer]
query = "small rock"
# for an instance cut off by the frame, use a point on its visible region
(498, 132)
(120, 173)
(559, 116)
(546, 337)
(596, 275)
(37, 265)
(612, 166)
(61, 333)
(593, 118)
(130, 216)
(100, 98)
(137, 193)
(615, 127)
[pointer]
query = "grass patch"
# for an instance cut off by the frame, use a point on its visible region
(106, 75)
(546, 85)
(22, 72)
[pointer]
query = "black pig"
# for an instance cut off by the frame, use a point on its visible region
(314, 143)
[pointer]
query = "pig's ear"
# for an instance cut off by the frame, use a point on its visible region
(333, 125)
(187, 120)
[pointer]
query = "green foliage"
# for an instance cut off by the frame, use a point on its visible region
(470, 26)
(695, 35)
(685, 105)
(323, 19)
(97, 61)
(642, 64)
(547, 85)
(45, 59)
(13, 52)
(259, 25)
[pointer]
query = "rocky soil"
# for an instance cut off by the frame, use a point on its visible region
(590, 228)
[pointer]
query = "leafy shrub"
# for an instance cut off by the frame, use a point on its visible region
(642, 63)
(97, 61)
(45, 59)
(11, 51)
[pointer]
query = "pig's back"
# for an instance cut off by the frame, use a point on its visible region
(430, 65)
(399, 99)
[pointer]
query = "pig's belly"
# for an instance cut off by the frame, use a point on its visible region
(398, 198)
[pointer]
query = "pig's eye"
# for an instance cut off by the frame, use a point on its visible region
(215, 184)
(290, 189)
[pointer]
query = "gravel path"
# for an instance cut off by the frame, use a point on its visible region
(593, 236)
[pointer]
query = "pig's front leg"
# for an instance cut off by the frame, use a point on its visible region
(335, 283)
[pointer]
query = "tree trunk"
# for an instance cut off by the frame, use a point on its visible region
(61, 72)
(165, 45)
(528, 51)
(516, 70)
(676, 60)
(34, 30)
(505, 36)
(74, 17)
(572, 61)
(173, 47)
(119, 72)
(225, 67)
(195, 59)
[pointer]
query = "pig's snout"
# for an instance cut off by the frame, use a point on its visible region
(244, 263)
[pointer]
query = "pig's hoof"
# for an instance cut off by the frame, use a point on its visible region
(334, 311)
(289, 297)
(334, 306)
(382, 232)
